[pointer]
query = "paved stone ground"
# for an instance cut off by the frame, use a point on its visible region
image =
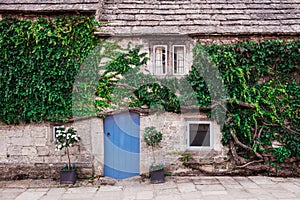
(175, 188)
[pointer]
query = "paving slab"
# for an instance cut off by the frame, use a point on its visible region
(113, 195)
(206, 181)
(30, 195)
(261, 180)
(214, 187)
(246, 182)
(170, 197)
(291, 187)
(192, 195)
(186, 187)
(145, 195)
(175, 188)
(163, 192)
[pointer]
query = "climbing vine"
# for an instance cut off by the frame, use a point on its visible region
(39, 62)
(262, 127)
(259, 101)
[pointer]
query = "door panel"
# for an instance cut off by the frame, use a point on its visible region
(122, 145)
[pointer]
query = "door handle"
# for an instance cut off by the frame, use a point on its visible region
(108, 134)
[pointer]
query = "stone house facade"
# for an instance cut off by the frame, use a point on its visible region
(167, 30)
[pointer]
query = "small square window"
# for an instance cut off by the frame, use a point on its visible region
(54, 132)
(199, 135)
(160, 59)
(178, 59)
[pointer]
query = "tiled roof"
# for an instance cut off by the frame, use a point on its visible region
(46, 6)
(127, 17)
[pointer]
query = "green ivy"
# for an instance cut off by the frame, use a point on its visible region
(39, 62)
(259, 100)
(264, 76)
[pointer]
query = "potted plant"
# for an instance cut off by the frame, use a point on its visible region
(65, 138)
(152, 137)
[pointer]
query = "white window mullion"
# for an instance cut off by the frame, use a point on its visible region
(178, 59)
(160, 59)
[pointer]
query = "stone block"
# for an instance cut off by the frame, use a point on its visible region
(14, 150)
(3, 159)
(3, 145)
(39, 131)
(74, 150)
(40, 142)
(14, 133)
(35, 159)
(22, 141)
(43, 151)
(30, 151)
(85, 172)
(52, 159)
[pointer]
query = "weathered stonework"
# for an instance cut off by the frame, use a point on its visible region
(174, 129)
(28, 151)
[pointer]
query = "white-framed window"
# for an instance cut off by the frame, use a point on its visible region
(199, 135)
(178, 59)
(169, 62)
(160, 59)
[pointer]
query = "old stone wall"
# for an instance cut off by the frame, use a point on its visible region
(174, 129)
(28, 151)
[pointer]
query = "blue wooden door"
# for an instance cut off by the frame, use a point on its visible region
(122, 145)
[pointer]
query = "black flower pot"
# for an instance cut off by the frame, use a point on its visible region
(68, 176)
(157, 176)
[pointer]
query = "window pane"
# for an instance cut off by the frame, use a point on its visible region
(199, 135)
(178, 60)
(160, 60)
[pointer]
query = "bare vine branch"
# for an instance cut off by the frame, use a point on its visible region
(249, 163)
(243, 145)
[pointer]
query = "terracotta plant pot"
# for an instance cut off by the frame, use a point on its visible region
(157, 176)
(68, 176)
